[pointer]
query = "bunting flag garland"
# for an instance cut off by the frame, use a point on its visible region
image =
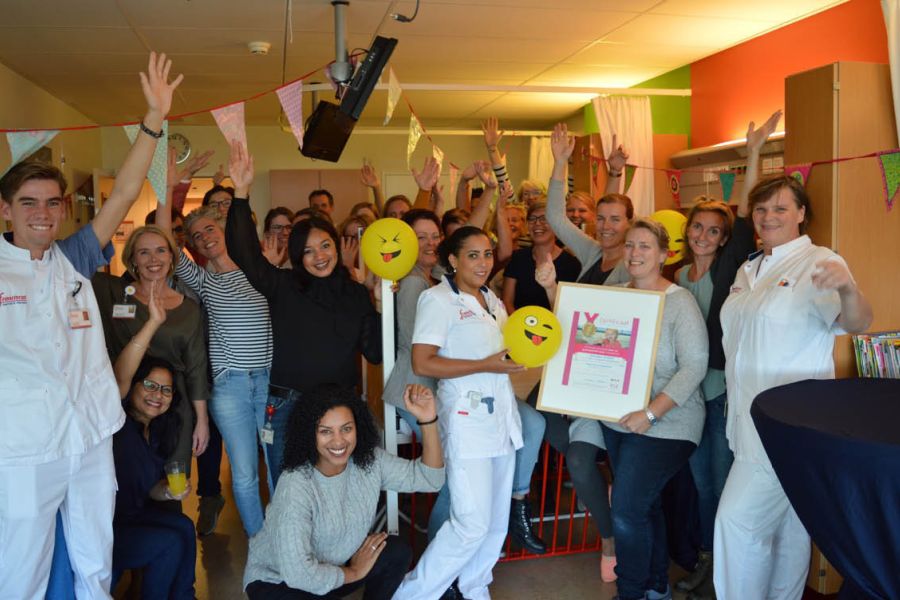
(393, 97)
(415, 132)
(799, 172)
(159, 166)
(726, 178)
(291, 98)
(674, 177)
(889, 161)
(24, 143)
(230, 120)
(629, 176)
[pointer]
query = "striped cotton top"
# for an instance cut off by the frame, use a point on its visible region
(240, 331)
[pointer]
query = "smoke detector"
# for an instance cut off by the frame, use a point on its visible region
(259, 48)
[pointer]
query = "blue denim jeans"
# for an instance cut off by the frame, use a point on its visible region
(283, 408)
(641, 467)
(533, 425)
(238, 407)
(710, 464)
(440, 512)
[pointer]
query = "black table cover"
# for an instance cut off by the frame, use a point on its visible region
(835, 446)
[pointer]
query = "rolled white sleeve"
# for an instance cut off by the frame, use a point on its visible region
(433, 319)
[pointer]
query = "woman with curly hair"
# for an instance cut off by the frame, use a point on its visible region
(316, 542)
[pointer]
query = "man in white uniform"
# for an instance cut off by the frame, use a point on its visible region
(59, 403)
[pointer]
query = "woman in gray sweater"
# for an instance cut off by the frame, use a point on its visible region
(316, 542)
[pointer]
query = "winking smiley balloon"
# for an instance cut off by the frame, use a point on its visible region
(390, 248)
(532, 335)
(674, 223)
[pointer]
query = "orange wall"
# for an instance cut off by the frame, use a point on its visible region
(746, 82)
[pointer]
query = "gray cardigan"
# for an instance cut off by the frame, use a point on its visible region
(585, 248)
(315, 523)
(681, 359)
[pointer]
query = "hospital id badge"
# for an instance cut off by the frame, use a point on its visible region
(124, 311)
(79, 318)
(267, 434)
(474, 399)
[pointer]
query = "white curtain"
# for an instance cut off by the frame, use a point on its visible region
(540, 161)
(891, 10)
(629, 118)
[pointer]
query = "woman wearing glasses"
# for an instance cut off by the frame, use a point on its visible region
(162, 542)
(276, 232)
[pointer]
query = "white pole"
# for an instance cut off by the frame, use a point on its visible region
(390, 414)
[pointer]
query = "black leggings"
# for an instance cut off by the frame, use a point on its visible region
(381, 582)
(581, 459)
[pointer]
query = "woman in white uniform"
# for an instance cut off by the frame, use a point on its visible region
(787, 303)
(458, 339)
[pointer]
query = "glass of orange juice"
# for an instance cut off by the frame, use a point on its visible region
(176, 476)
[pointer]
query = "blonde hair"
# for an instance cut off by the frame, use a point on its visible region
(128, 251)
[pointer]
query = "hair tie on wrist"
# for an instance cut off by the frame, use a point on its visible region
(150, 132)
(420, 423)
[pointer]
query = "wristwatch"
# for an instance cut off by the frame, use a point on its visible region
(651, 417)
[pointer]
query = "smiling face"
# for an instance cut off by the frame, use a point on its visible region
(208, 238)
(612, 223)
(473, 263)
(777, 220)
(320, 255)
(577, 211)
(428, 236)
(280, 228)
(335, 440)
(36, 211)
(146, 405)
(643, 256)
(516, 221)
(706, 233)
(538, 228)
(221, 201)
(533, 335)
(151, 257)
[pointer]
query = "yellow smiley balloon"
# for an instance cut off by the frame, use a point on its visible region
(532, 335)
(390, 248)
(674, 223)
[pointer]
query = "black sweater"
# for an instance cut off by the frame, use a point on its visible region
(316, 330)
(722, 272)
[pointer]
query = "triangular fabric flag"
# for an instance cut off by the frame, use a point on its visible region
(291, 98)
(674, 177)
(799, 172)
(438, 155)
(394, 92)
(230, 120)
(415, 132)
(890, 175)
(629, 176)
(159, 166)
(24, 143)
(453, 174)
(726, 178)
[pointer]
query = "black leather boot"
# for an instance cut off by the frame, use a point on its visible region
(520, 527)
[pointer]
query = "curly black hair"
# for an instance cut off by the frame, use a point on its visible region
(300, 445)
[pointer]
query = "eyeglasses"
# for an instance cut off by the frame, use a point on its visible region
(280, 228)
(537, 219)
(152, 386)
(178, 229)
(222, 203)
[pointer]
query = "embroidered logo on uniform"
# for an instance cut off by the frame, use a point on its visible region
(462, 412)
(736, 289)
(5, 300)
(465, 314)
(784, 282)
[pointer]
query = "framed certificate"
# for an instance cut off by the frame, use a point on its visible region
(604, 367)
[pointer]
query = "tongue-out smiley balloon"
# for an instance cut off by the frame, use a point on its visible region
(532, 335)
(674, 223)
(390, 248)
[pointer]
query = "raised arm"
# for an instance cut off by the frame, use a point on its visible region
(426, 180)
(755, 140)
(463, 198)
(505, 241)
(492, 136)
(131, 356)
(482, 211)
(616, 160)
(130, 179)
(369, 178)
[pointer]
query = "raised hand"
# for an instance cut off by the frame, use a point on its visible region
(195, 164)
(485, 173)
(545, 272)
(561, 144)
(369, 177)
(757, 137)
(492, 133)
(273, 250)
(349, 251)
(419, 401)
(155, 303)
(469, 172)
(240, 168)
(156, 86)
(507, 193)
(617, 158)
(219, 176)
(431, 171)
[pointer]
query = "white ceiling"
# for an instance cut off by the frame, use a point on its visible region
(87, 52)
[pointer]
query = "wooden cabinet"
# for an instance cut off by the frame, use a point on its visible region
(841, 110)
(291, 188)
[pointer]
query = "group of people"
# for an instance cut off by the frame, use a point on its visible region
(110, 385)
